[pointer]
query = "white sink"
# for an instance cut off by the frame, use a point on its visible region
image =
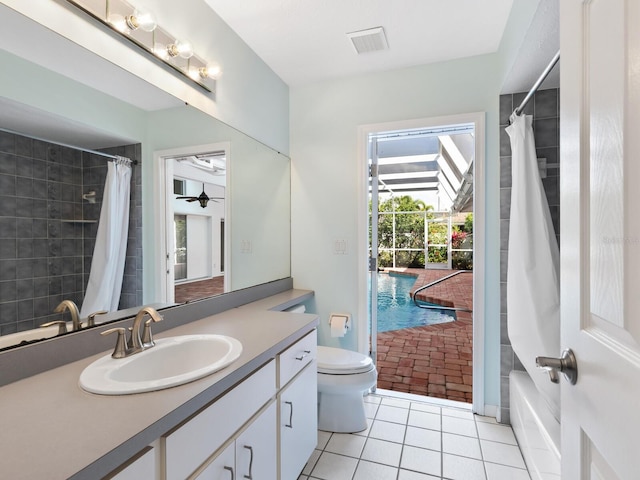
(173, 361)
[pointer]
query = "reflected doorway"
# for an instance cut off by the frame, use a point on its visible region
(195, 212)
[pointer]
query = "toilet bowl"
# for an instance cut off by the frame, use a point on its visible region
(344, 377)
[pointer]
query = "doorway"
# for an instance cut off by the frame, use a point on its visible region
(422, 213)
(194, 182)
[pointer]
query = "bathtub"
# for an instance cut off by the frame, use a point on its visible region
(535, 427)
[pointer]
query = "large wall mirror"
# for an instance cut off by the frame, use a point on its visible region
(54, 131)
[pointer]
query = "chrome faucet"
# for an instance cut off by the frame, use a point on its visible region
(136, 343)
(73, 310)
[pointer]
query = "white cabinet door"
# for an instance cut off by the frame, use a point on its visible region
(256, 448)
(600, 235)
(223, 467)
(298, 422)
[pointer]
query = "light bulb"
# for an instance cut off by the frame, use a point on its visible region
(185, 50)
(210, 71)
(145, 20)
(180, 48)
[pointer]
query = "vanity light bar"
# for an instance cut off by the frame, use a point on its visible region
(140, 28)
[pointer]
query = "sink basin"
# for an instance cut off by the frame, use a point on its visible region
(173, 361)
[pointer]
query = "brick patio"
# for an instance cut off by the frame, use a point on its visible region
(434, 360)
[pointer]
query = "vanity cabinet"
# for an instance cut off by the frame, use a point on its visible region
(190, 445)
(263, 428)
(253, 454)
(298, 405)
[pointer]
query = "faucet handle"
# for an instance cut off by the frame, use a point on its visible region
(62, 325)
(147, 336)
(91, 318)
(121, 345)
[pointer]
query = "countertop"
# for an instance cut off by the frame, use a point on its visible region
(51, 428)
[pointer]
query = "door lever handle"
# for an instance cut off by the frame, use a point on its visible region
(566, 364)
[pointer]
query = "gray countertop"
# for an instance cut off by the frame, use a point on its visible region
(52, 429)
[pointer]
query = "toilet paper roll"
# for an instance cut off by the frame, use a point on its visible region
(339, 325)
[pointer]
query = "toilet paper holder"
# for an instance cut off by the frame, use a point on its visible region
(340, 316)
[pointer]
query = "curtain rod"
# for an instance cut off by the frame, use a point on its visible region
(536, 85)
(75, 147)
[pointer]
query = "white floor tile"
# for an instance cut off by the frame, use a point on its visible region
(423, 438)
(303, 477)
(392, 432)
(346, 444)
(370, 410)
(420, 460)
(392, 414)
(334, 467)
(457, 412)
(502, 472)
(395, 402)
(424, 420)
(375, 471)
(407, 475)
(459, 426)
(462, 468)
(502, 453)
(313, 459)
(425, 407)
(365, 432)
(461, 445)
(496, 433)
(407, 439)
(483, 419)
(372, 399)
(323, 439)
(380, 451)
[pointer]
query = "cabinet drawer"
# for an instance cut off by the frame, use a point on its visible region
(296, 357)
(187, 447)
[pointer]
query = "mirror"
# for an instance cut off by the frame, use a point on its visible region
(46, 109)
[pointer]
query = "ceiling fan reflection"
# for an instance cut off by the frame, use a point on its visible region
(203, 198)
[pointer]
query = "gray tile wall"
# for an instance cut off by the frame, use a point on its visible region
(45, 250)
(545, 108)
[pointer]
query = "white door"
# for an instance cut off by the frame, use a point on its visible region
(600, 234)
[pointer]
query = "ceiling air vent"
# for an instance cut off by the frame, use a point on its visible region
(370, 40)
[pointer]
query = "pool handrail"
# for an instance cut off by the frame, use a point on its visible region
(435, 282)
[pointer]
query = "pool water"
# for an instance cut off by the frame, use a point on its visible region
(396, 309)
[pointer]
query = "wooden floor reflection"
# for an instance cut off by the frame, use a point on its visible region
(188, 292)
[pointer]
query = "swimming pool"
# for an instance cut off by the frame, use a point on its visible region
(396, 309)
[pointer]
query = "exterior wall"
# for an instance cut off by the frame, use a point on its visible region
(45, 256)
(545, 108)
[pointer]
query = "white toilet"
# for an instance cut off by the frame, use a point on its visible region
(343, 378)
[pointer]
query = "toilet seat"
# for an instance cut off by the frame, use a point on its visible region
(338, 361)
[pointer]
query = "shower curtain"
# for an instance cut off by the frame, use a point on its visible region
(107, 265)
(533, 291)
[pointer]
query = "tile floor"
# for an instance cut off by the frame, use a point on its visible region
(411, 440)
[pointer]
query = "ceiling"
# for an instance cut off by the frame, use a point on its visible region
(302, 41)
(306, 41)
